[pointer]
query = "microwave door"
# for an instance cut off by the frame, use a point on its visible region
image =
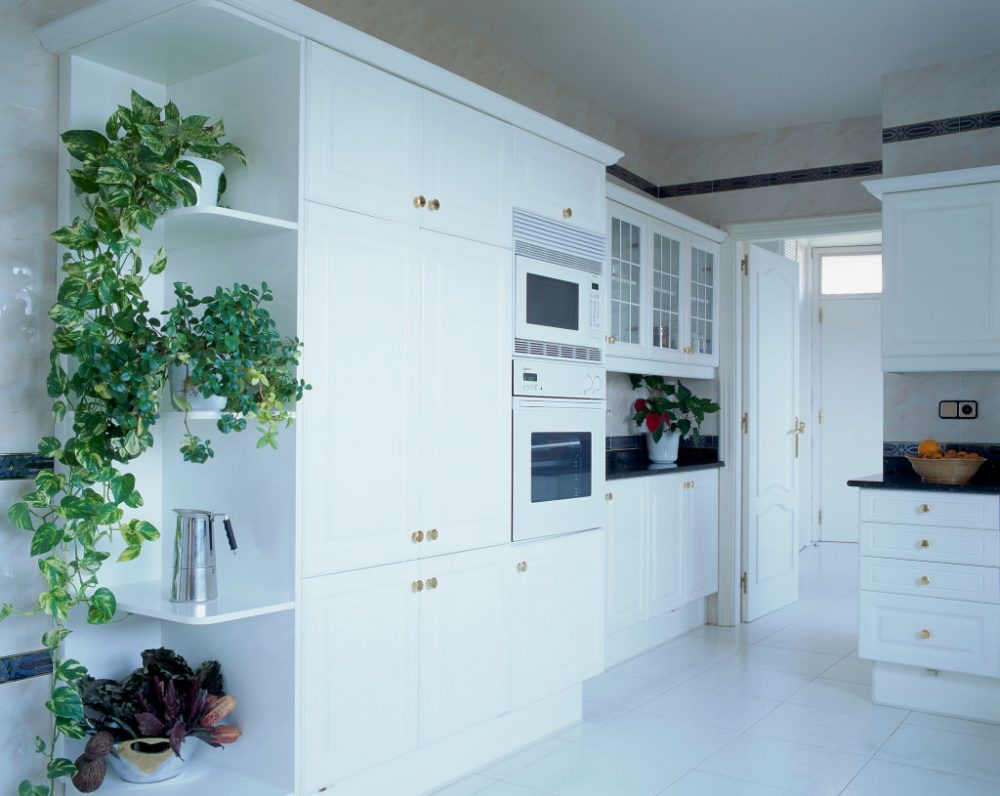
(552, 303)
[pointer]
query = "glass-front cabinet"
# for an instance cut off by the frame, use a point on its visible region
(663, 297)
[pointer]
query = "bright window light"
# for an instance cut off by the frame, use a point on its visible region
(848, 274)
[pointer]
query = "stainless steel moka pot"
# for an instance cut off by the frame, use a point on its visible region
(195, 579)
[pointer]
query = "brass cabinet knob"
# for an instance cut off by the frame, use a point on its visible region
(611, 339)
(419, 201)
(925, 634)
(432, 534)
(417, 536)
(609, 496)
(522, 566)
(924, 543)
(567, 212)
(433, 205)
(432, 583)
(417, 585)
(924, 580)
(924, 508)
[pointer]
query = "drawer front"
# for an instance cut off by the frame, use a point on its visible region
(937, 634)
(934, 509)
(948, 581)
(945, 545)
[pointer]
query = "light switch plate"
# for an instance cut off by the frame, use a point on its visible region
(948, 410)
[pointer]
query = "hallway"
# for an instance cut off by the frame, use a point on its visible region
(784, 701)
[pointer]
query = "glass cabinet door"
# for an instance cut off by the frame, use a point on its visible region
(702, 306)
(666, 319)
(626, 253)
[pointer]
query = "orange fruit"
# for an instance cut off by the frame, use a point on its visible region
(927, 447)
(952, 454)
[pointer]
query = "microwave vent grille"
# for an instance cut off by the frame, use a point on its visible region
(558, 243)
(577, 353)
(547, 255)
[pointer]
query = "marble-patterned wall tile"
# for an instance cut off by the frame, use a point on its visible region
(943, 152)
(18, 761)
(911, 406)
(941, 91)
(621, 398)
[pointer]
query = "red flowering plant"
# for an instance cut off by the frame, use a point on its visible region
(669, 407)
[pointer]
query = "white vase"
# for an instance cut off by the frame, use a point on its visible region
(664, 451)
(211, 171)
(179, 391)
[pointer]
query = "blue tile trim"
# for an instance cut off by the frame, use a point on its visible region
(25, 665)
(990, 450)
(936, 127)
(632, 179)
(22, 465)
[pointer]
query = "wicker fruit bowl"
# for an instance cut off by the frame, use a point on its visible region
(946, 471)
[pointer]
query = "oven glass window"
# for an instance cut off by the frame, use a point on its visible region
(552, 302)
(560, 466)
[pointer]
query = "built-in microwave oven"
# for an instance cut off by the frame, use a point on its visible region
(557, 292)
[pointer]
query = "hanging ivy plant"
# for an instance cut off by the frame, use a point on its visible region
(109, 363)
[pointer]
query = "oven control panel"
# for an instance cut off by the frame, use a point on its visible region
(542, 379)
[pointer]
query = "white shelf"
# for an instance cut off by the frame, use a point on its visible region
(195, 226)
(149, 598)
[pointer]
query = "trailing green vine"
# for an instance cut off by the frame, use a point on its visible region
(109, 363)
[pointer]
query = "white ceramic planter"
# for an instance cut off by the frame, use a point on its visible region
(664, 451)
(211, 171)
(196, 401)
(133, 761)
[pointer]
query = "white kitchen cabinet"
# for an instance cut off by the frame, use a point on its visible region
(558, 614)
(701, 534)
(359, 671)
(663, 300)
(941, 270)
(379, 145)
(558, 183)
(627, 564)
(666, 520)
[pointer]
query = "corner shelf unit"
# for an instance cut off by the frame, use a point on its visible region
(198, 226)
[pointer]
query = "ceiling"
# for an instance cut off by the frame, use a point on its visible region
(681, 70)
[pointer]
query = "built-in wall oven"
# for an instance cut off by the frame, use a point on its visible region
(558, 448)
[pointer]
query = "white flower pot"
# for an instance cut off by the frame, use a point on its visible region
(179, 391)
(208, 191)
(664, 451)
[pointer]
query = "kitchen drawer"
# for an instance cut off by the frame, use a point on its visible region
(945, 545)
(949, 635)
(949, 581)
(935, 509)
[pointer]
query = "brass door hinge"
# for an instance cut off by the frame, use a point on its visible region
(745, 264)
(745, 422)
(821, 416)
(821, 315)
(819, 517)
(743, 583)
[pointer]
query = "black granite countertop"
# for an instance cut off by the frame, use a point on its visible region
(898, 474)
(635, 466)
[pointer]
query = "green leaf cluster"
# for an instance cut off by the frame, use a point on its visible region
(681, 409)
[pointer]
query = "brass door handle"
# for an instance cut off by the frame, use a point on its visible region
(417, 585)
(417, 536)
(567, 212)
(432, 534)
(924, 580)
(924, 634)
(432, 583)
(433, 205)
(924, 508)
(924, 543)
(800, 427)
(419, 202)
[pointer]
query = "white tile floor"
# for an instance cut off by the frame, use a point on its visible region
(779, 706)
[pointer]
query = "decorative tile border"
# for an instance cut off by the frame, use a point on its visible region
(25, 665)
(936, 127)
(22, 465)
(990, 450)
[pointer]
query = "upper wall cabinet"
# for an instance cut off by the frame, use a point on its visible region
(663, 298)
(381, 146)
(558, 183)
(941, 263)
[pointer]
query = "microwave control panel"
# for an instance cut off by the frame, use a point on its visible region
(542, 379)
(596, 331)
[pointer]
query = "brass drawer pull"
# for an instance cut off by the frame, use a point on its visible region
(432, 534)
(419, 202)
(417, 585)
(567, 212)
(609, 496)
(924, 634)
(522, 566)
(924, 580)
(432, 583)
(924, 508)
(433, 205)
(417, 536)
(924, 543)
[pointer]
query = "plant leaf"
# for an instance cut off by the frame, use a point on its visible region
(20, 517)
(66, 703)
(60, 767)
(69, 670)
(46, 537)
(102, 607)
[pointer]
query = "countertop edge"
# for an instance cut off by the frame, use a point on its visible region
(882, 482)
(680, 468)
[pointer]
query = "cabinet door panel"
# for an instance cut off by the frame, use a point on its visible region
(669, 291)
(627, 304)
(466, 443)
(666, 531)
(464, 641)
(558, 594)
(363, 137)
(701, 532)
(626, 554)
(703, 303)
(359, 671)
(468, 169)
(551, 180)
(360, 310)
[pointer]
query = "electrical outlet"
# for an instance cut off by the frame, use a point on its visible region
(968, 410)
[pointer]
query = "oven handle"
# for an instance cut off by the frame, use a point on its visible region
(558, 403)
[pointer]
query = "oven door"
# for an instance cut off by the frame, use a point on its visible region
(552, 303)
(558, 461)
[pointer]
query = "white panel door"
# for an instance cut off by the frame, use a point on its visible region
(363, 137)
(771, 339)
(666, 542)
(358, 688)
(558, 610)
(464, 640)
(626, 540)
(465, 445)
(468, 172)
(701, 535)
(361, 307)
(558, 183)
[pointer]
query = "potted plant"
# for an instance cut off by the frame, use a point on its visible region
(670, 412)
(110, 360)
(141, 725)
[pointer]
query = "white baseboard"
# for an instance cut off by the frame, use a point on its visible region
(639, 638)
(966, 696)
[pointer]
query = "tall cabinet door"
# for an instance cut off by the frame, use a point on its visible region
(668, 339)
(361, 307)
(363, 135)
(465, 458)
(626, 553)
(464, 641)
(358, 689)
(468, 172)
(626, 301)
(701, 535)
(558, 609)
(666, 531)
(703, 303)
